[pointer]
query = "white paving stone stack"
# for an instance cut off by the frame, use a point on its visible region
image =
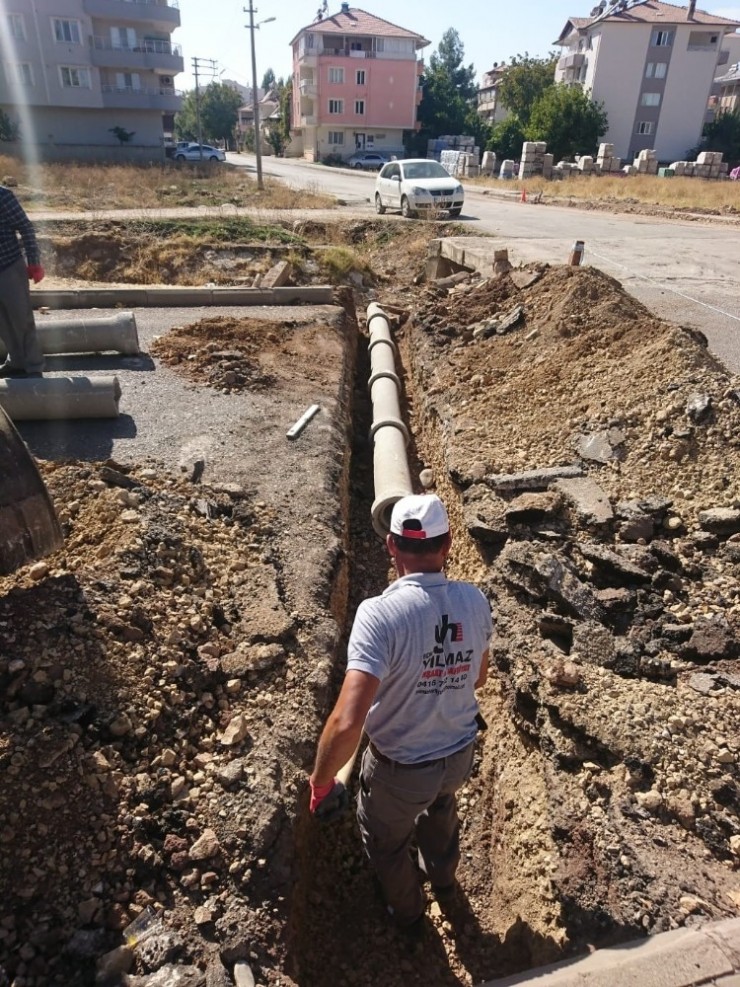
(507, 169)
(450, 161)
(606, 159)
(646, 162)
(533, 158)
(488, 164)
(586, 164)
(708, 164)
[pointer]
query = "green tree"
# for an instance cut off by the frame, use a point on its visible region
(723, 134)
(568, 120)
(278, 135)
(507, 138)
(525, 80)
(268, 80)
(219, 111)
(9, 131)
(449, 94)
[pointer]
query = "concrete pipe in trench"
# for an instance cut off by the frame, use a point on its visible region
(389, 433)
(110, 333)
(46, 398)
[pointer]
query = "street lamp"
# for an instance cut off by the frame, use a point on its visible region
(255, 98)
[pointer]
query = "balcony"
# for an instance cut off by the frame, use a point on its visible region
(162, 98)
(153, 12)
(574, 61)
(308, 121)
(308, 88)
(153, 54)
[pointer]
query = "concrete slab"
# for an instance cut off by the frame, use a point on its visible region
(164, 297)
(681, 958)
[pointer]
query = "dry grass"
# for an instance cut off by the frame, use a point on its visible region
(677, 193)
(96, 188)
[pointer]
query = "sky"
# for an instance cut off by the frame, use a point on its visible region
(490, 30)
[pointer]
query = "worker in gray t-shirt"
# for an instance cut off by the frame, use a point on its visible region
(416, 655)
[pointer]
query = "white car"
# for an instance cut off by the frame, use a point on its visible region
(192, 153)
(415, 184)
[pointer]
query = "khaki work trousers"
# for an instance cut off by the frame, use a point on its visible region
(397, 803)
(17, 326)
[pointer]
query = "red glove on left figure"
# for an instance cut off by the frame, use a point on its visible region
(328, 801)
(35, 273)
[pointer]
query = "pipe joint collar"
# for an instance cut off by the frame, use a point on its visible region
(380, 339)
(390, 423)
(379, 374)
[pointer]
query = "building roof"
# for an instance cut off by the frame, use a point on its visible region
(651, 12)
(732, 76)
(352, 20)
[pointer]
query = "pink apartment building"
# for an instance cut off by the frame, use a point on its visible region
(356, 85)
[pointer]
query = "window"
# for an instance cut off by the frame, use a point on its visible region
(662, 39)
(336, 75)
(656, 70)
(74, 77)
(123, 37)
(24, 73)
(650, 99)
(336, 137)
(644, 127)
(360, 107)
(128, 81)
(67, 31)
(17, 27)
(360, 77)
(336, 106)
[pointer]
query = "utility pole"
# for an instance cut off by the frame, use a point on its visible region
(210, 65)
(251, 10)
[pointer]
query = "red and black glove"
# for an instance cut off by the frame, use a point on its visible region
(35, 273)
(329, 801)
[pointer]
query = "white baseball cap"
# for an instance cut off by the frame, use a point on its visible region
(419, 516)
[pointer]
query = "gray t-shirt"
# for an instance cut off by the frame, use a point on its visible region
(423, 638)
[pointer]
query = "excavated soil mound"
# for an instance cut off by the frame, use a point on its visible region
(607, 799)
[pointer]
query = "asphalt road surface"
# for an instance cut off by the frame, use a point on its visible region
(684, 270)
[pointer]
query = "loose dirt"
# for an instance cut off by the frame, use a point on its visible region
(164, 681)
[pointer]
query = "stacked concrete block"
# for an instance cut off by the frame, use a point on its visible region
(646, 162)
(711, 160)
(629, 170)
(585, 164)
(507, 169)
(533, 158)
(488, 164)
(450, 161)
(607, 160)
(547, 165)
(678, 168)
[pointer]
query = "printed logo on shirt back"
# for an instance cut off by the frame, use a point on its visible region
(441, 631)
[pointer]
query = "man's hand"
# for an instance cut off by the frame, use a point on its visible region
(35, 273)
(330, 801)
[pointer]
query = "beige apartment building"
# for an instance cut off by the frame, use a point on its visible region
(652, 65)
(74, 69)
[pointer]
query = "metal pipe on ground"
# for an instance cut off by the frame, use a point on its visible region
(390, 436)
(47, 398)
(29, 528)
(116, 333)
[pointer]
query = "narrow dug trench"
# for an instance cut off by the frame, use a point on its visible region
(165, 677)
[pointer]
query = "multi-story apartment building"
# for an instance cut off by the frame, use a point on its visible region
(356, 84)
(490, 108)
(652, 65)
(74, 69)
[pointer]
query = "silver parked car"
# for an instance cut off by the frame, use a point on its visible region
(368, 160)
(192, 152)
(416, 184)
